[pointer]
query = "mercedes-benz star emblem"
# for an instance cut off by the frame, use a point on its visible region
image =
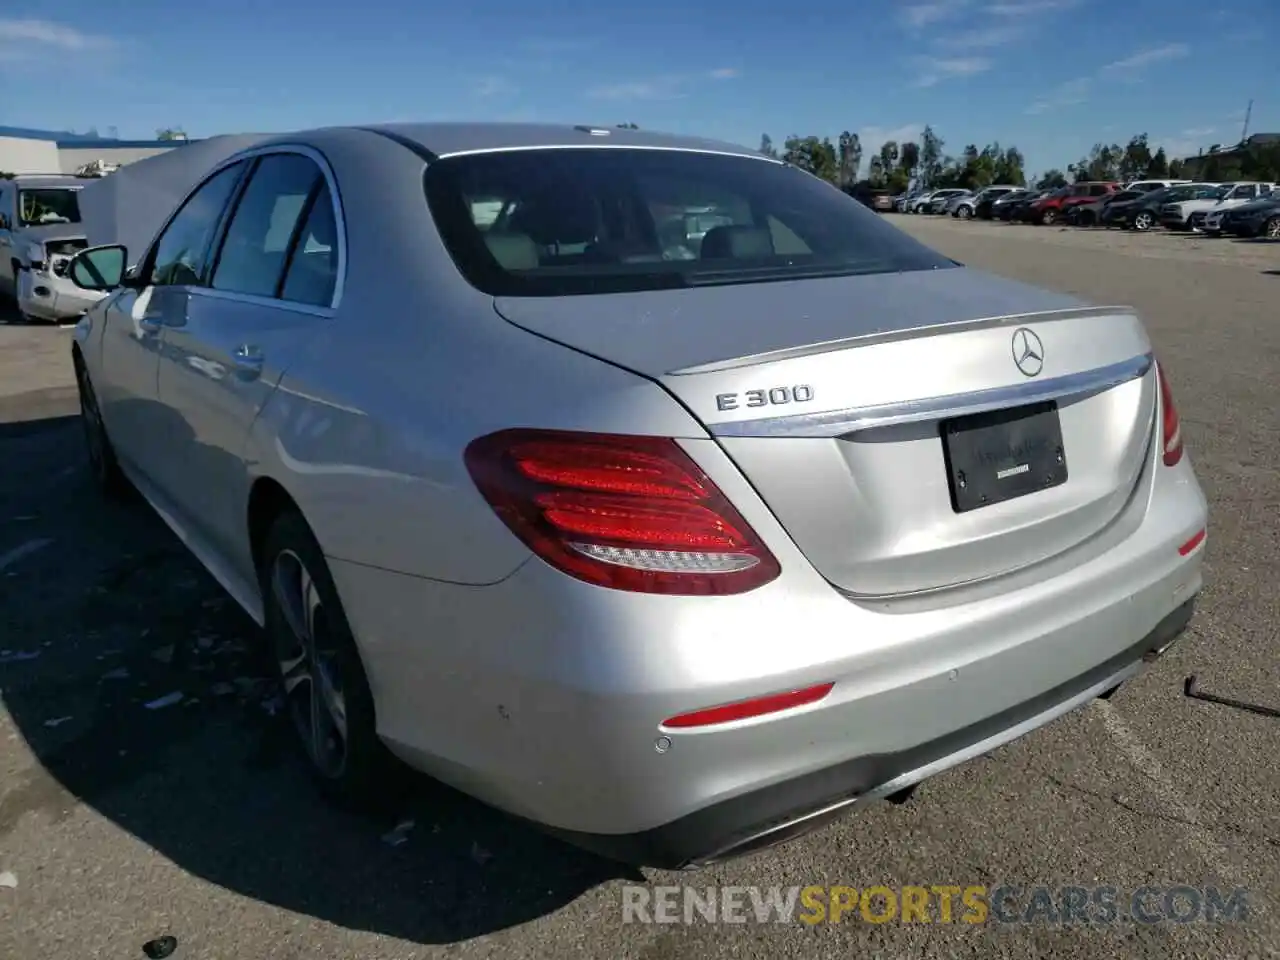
(1028, 352)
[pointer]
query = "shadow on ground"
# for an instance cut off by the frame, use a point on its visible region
(137, 687)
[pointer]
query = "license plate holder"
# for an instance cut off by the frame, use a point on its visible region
(1000, 455)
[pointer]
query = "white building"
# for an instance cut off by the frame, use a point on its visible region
(48, 151)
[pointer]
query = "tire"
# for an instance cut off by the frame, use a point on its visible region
(964, 213)
(308, 637)
(1144, 221)
(1271, 229)
(1049, 218)
(104, 468)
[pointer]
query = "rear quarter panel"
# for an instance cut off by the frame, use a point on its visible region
(368, 428)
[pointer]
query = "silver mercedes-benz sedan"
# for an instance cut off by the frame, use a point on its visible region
(646, 488)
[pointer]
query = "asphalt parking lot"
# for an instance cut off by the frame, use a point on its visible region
(145, 789)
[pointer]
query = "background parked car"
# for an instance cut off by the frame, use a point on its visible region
(1020, 210)
(1145, 212)
(1243, 193)
(989, 208)
(1091, 214)
(1051, 208)
(1147, 186)
(919, 202)
(1261, 218)
(966, 208)
(1189, 214)
(926, 203)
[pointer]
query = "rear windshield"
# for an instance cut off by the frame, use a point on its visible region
(48, 205)
(559, 222)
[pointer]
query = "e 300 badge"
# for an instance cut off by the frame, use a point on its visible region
(774, 396)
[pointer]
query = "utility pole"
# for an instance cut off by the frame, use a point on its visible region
(1248, 111)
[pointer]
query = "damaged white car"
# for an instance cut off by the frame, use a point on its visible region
(40, 230)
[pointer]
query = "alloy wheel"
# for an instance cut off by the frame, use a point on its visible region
(1271, 230)
(1143, 221)
(313, 687)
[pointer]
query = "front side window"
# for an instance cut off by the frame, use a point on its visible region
(48, 205)
(561, 222)
(181, 255)
(254, 253)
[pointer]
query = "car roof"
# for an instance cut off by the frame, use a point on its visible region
(448, 139)
(42, 180)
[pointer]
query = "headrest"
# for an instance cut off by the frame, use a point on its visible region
(735, 242)
(513, 251)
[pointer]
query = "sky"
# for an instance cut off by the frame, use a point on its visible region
(1051, 77)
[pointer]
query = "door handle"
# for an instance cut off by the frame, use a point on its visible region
(150, 323)
(248, 360)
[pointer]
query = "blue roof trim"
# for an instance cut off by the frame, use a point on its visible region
(69, 140)
(105, 144)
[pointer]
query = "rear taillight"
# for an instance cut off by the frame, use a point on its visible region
(1172, 431)
(631, 513)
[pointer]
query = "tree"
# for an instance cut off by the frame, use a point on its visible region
(930, 156)
(1052, 180)
(909, 161)
(1175, 170)
(766, 146)
(1159, 165)
(1102, 163)
(1136, 159)
(848, 159)
(1009, 168)
(177, 133)
(814, 155)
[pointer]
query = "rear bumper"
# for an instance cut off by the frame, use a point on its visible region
(784, 811)
(546, 697)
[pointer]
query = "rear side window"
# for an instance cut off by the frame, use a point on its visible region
(560, 222)
(254, 252)
(313, 265)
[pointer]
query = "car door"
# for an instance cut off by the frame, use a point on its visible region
(273, 284)
(142, 431)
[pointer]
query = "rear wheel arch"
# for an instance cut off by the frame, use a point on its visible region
(268, 500)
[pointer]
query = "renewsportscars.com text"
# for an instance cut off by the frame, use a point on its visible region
(939, 903)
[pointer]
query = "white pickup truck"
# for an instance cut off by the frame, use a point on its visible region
(40, 230)
(1192, 214)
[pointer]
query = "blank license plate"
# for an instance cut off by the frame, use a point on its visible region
(997, 456)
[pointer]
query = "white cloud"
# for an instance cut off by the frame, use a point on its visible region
(672, 86)
(46, 33)
(983, 38)
(1028, 8)
(1135, 63)
(934, 70)
(920, 15)
(1064, 95)
(1129, 69)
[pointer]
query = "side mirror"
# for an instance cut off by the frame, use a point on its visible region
(99, 268)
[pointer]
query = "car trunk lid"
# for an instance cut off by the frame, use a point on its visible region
(834, 398)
